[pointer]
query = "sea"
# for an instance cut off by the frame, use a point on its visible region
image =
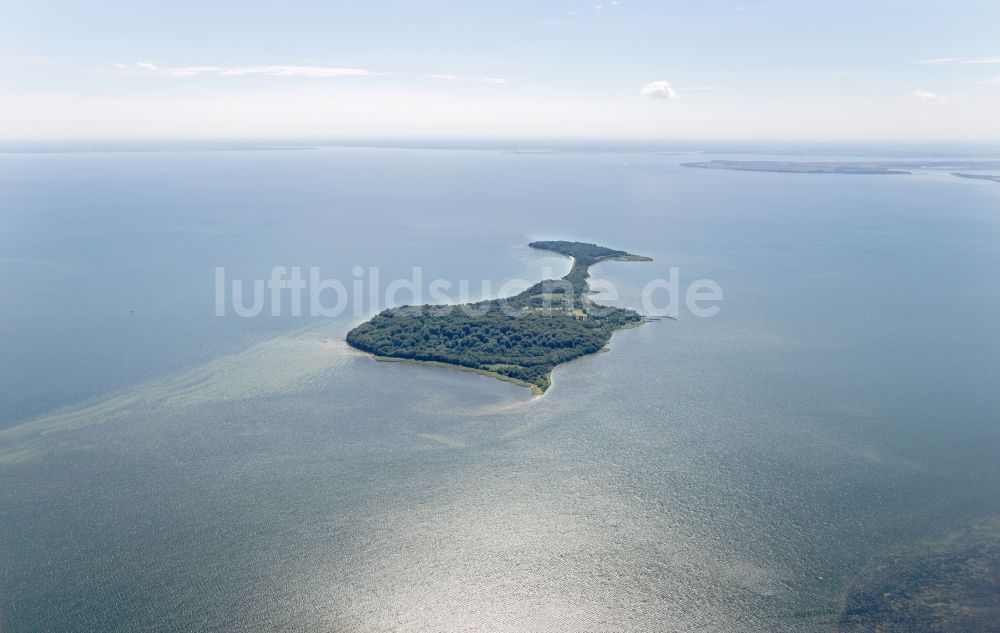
(170, 466)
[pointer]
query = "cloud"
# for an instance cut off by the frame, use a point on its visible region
(479, 80)
(960, 60)
(659, 90)
(990, 82)
(268, 71)
(930, 97)
(847, 74)
(191, 71)
(940, 60)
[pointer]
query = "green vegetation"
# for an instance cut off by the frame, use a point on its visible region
(520, 338)
(945, 585)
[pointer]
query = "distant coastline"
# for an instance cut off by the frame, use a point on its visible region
(988, 177)
(798, 168)
(878, 168)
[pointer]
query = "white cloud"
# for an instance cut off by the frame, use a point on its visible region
(659, 90)
(479, 80)
(270, 71)
(960, 60)
(990, 82)
(930, 97)
(191, 71)
(940, 60)
(298, 71)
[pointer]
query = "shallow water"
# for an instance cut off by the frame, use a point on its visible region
(182, 471)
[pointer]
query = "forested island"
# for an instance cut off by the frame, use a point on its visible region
(520, 338)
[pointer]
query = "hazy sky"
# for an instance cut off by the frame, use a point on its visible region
(789, 69)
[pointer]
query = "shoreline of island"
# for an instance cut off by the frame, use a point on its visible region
(535, 389)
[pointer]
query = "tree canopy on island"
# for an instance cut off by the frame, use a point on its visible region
(521, 337)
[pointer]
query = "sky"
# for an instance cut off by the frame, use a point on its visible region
(667, 69)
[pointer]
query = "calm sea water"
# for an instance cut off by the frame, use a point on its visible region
(164, 469)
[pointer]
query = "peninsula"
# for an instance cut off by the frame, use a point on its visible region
(800, 168)
(890, 168)
(989, 177)
(519, 339)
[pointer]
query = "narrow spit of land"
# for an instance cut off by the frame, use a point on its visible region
(520, 339)
(989, 177)
(890, 168)
(801, 167)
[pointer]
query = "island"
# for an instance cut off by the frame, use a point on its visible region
(519, 339)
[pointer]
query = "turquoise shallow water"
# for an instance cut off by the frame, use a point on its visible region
(185, 472)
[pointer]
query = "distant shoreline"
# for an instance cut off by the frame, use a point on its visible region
(987, 177)
(864, 168)
(801, 168)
